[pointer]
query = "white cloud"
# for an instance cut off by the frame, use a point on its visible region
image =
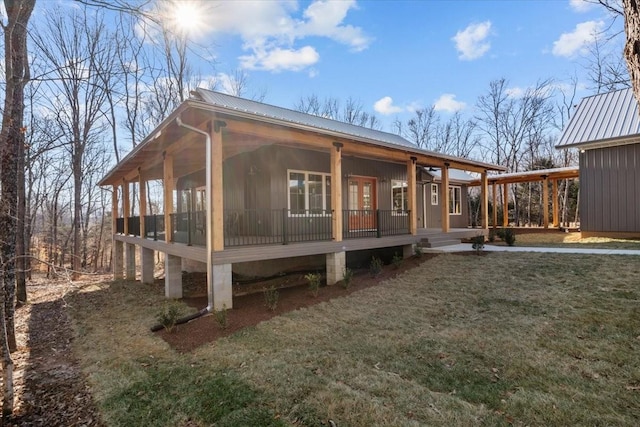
(447, 102)
(270, 30)
(385, 106)
(472, 42)
(580, 6)
(577, 41)
(515, 92)
(278, 59)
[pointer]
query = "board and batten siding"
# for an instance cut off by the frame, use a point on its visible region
(610, 189)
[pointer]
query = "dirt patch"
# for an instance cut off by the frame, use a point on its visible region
(249, 306)
(50, 387)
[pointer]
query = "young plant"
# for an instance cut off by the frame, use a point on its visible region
(314, 283)
(169, 316)
(478, 243)
(417, 251)
(492, 235)
(347, 276)
(375, 268)
(396, 261)
(221, 317)
(271, 296)
(509, 236)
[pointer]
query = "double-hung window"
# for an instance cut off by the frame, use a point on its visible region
(399, 197)
(455, 200)
(309, 193)
(434, 194)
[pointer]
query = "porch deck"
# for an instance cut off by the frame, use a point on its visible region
(275, 251)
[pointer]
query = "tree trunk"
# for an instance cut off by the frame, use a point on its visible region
(632, 46)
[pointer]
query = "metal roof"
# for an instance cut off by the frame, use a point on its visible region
(292, 116)
(608, 119)
(454, 175)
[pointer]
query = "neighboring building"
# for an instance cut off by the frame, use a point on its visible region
(606, 129)
(258, 186)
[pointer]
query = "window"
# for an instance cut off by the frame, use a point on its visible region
(399, 196)
(309, 193)
(455, 201)
(434, 194)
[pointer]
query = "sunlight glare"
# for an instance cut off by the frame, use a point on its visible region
(189, 17)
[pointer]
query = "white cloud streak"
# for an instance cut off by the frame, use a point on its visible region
(578, 41)
(385, 106)
(471, 42)
(447, 102)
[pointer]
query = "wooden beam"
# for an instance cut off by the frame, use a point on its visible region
(545, 202)
(505, 205)
(554, 201)
(336, 192)
(445, 198)
(412, 204)
(143, 203)
(494, 194)
(217, 203)
(484, 193)
(168, 186)
(126, 206)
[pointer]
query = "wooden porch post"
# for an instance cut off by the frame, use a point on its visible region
(545, 202)
(114, 209)
(336, 192)
(445, 198)
(126, 206)
(167, 183)
(143, 202)
(505, 205)
(495, 204)
(554, 201)
(116, 245)
(411, 193)
(216, 222)
(484, 192)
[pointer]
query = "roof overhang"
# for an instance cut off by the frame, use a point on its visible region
(531, 176)
(167, 132)
(603, 143)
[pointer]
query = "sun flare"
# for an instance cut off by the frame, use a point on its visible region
(188, 17)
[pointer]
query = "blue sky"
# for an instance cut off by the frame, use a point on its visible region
(395, 56)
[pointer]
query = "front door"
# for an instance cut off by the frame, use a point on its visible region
(362, 203)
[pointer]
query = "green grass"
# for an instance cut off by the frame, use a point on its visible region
(504, 339)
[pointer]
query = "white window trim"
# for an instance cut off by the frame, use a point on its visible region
(405, 185)
(434, 193)
(306, 192)
(460, 190)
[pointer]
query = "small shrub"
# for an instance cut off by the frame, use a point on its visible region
(500, 233)
(221, 317)
(478, 243)
(375, 267)
(314, 283)
(169, 315)
(509, 236)
(492, 235)
(396, 260)
(347, 276)
(271, 296)
(417, 251)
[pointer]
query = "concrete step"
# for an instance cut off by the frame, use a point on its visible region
(439, 243)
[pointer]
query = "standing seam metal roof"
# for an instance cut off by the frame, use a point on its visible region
(604, 117)
(284, 114)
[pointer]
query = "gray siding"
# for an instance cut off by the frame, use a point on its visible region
(610, 189)
(434, 213)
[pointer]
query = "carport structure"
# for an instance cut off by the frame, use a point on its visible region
(543, 175)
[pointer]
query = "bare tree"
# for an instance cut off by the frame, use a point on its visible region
(331, 108)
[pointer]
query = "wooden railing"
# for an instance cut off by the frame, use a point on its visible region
(250, 227)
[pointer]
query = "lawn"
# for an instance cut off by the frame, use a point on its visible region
(571, 240)
(501, 339)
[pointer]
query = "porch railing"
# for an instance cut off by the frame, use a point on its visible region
(247, 227)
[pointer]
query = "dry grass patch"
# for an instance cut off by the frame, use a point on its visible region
(509, 338)
(573, 240)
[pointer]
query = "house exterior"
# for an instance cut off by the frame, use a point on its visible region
(246, 183)
(606, 130)
(430, 198)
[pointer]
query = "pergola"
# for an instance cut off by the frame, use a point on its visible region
(542, 175)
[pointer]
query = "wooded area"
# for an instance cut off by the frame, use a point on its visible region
(97, 78)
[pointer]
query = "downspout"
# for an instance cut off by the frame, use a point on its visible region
(180, 123)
